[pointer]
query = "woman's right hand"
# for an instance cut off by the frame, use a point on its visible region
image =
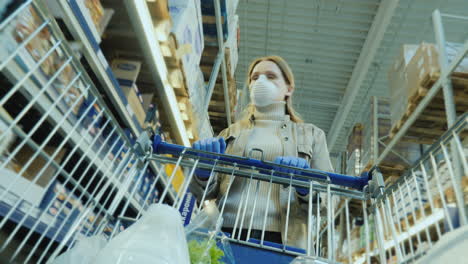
(215, 145)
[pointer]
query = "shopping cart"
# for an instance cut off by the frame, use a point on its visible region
(319, 183)
(96, 181)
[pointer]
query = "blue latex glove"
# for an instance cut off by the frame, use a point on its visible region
(293, 162)
(216, 145)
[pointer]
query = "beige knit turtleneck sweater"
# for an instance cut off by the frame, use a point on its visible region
(265, 136)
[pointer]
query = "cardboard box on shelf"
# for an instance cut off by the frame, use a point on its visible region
(425, 64)
(17, 185)
(38, 164)
(96, 11)
(161, 18)
(188, 30)
(126, 72)
(93, 117)
(134, 106)
(398, 82)
(415, 64)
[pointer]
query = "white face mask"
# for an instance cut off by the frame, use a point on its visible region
(263, 92)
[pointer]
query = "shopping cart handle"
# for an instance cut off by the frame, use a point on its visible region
(161, 147)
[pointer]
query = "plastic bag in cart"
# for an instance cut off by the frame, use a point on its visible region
(207, 244)
(311, 260)
(157, 237)
(84, 251)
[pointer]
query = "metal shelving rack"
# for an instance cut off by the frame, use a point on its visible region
(220, 62)
(443, 83)
(94, 55)
(429, 188)
(445, 162)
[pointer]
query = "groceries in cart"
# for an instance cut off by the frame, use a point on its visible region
(157, 237)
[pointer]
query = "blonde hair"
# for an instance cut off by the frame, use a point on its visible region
(288, 77)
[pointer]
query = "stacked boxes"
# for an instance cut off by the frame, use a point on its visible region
(425, 64)
(398, 82)
(188, 30)
(96, 11)
(16, 33)
(126, 72)
(414, 65)
(65, 206)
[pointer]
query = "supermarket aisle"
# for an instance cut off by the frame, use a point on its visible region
(101, 100)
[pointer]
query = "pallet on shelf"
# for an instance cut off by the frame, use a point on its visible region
(217, 110)
(387, 169)
(161, 18)
(432, 122)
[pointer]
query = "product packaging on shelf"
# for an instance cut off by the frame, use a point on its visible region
(398, 82)
(126, 72)
(16, 188)
(425, 64)
(38, 164)
(65, 206)
(90, 12)
(415, 64)
(92, 118)
(35, 50)
(188, 30)
(96, 11)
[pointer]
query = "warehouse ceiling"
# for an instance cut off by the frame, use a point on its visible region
(337, 46)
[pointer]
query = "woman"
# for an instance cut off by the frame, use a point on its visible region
(271, 125)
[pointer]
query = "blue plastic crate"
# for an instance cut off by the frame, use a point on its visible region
(251, 254)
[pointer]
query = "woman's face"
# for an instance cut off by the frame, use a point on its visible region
(273, 74)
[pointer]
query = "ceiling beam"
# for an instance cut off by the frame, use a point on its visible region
(376, 33)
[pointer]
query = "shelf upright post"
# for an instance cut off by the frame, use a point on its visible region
(219, 62)
(449, 101)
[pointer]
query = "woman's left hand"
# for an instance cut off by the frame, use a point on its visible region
(293, 162)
